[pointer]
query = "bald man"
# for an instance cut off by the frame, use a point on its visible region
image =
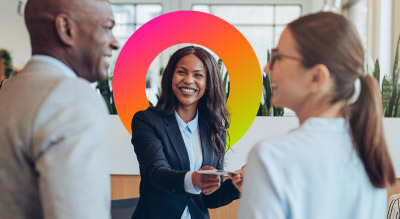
(53, 125)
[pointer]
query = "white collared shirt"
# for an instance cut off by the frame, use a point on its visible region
(312, 172)
(55, 62)
(191, 137)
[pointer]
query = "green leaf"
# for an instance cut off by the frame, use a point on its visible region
(395, 77)
(377, 71)
(386, 93)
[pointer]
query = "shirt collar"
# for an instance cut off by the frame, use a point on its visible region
(192, 125)
(57, 63)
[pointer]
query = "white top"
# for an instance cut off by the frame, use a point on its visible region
(311, 172)
(191, 138)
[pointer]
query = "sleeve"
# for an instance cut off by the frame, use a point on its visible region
(189, 188)
(226, 193)
(153, 164)
(261, 192)
(71, 154)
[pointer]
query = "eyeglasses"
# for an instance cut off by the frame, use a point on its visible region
(275, 55)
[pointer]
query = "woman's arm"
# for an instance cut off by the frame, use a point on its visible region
(154, 166)
(226, 193)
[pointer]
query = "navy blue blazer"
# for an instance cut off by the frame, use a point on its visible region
(164, 161)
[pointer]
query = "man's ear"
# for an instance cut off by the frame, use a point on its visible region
(66, 29)
(320, 77)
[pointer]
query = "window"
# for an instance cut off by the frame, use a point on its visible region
(262, 25)
(129, 18)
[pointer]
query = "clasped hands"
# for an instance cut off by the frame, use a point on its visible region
(208, 183)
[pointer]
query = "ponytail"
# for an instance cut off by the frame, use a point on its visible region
(330, 39)
(366, 126)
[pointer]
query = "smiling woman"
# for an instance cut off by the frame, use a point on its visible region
(189, 83)
(184, 132)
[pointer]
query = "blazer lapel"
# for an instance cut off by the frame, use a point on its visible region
(208, 153)
(175, 136)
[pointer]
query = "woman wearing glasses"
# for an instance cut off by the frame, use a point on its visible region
(336, 164)
(183, 133)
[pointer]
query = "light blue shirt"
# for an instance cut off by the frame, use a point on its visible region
(191, 137)
(310, 173)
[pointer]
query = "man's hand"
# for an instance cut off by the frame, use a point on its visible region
(207, 183)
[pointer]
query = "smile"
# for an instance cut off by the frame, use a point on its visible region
(187, 90)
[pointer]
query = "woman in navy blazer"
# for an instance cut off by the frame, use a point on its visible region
(192, 95)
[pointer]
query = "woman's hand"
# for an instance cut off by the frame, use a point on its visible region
(237, 179)
(207, 183)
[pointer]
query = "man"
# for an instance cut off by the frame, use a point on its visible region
(53, 129)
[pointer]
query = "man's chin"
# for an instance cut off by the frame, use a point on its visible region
(102, 76)
(99, 77)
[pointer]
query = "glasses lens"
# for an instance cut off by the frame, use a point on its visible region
(274, 56)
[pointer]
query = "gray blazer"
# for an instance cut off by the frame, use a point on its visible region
(53, 147)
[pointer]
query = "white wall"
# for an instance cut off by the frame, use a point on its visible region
(385, 37)
(123, 158)
(396, 27)
(13, 33)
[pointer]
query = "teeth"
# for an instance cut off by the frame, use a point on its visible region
(273, 85)
(188, 90)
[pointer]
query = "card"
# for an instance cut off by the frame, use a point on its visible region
(216, 172)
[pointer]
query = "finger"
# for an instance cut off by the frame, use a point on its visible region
(207, 168)
(209, 192)
(209, 177)
(204, 183)
(237, 176)
(236, 180)
(210, 182)
(210, 188)
(213, 181)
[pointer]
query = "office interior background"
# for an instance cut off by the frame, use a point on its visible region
(261, 22)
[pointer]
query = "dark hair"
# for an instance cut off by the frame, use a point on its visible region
(330, 39)
(211, 106)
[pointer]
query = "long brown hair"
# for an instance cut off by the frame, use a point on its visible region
(211, 106)
(330, 39)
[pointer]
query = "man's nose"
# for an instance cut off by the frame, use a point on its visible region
(114, 43)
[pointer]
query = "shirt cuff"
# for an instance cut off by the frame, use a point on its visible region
(189, 188)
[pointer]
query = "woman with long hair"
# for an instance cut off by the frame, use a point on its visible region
(184, 132)
(336, 164)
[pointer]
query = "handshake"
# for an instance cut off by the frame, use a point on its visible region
(209, 182)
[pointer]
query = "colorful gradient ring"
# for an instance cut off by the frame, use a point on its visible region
(189, 27)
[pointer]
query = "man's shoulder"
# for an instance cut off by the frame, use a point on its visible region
(75, 92)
